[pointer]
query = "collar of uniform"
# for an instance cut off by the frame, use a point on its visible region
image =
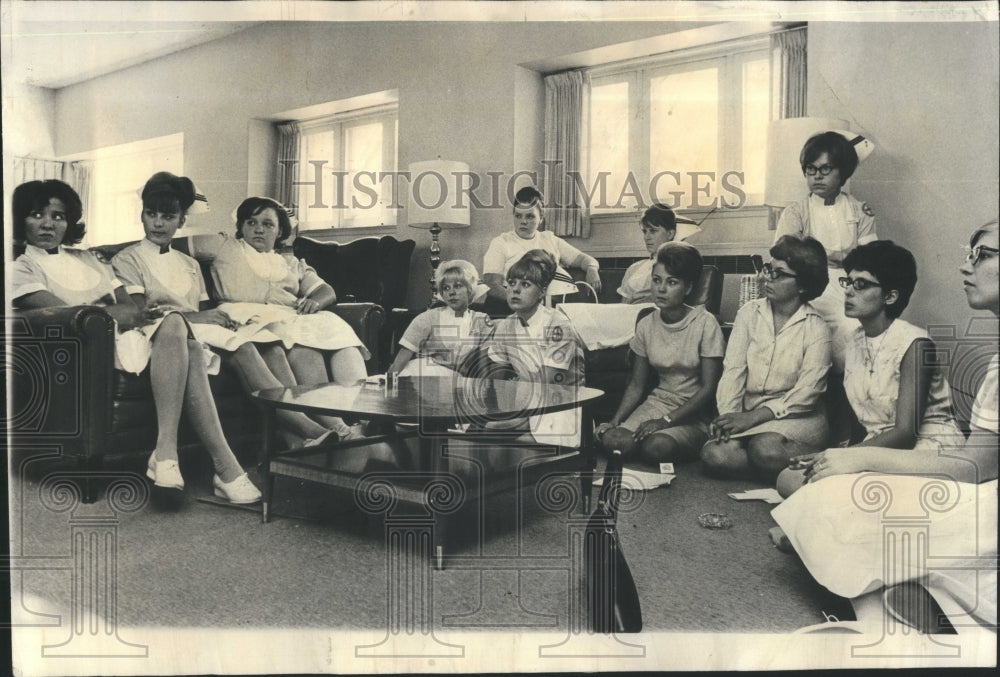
(153, 248)
(34, 252)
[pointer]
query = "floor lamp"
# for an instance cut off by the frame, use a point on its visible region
(436, 202)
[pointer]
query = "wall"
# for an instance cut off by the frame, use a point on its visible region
(28, 127)
(927, 95)
(460, 93)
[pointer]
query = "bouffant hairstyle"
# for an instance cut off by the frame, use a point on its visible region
(681, 260)
(35, 196)
(807, 259)
(465, 270)
(253, 206)
(660, 215)
(893, 266)
(168, 193)
(537, 266)
(988, 227)
(840, 151)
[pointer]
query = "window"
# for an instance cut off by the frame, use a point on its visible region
(680, 130)
(341, 174)
(117, 175)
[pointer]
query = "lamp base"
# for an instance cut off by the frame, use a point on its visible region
(435, 250)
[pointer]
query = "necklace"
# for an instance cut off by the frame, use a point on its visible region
(870, 358)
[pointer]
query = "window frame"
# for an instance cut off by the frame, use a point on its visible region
(338, 124)
(731, 58)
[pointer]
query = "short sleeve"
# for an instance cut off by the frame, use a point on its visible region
(418, 331)
(27, 278)
(568, 254)
(494, 260)
(866, 225)
(713, 344)
(640, 340)
(309, 279)
(791, 222)
(127, 271)
(986, 410)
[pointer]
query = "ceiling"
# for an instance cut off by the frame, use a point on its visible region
(54, 54)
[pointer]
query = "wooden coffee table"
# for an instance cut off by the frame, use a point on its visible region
(416, 464)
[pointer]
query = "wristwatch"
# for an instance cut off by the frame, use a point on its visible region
(668, 420)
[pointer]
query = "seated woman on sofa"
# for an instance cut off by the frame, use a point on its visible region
(47, 216)
(775, 369)
(157, 276)
(844, 547)
(506, 249)
(443, 338)
(893, 383)
(681, 345)
(538, 344)
(279, 293)
(659, 224)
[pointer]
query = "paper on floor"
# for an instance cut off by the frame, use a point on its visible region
(637, 479)
(766, 495)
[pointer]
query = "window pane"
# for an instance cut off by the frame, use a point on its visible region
(684, 134)
(315, 208)
(363, 153)
(609, 139)
(756, 113)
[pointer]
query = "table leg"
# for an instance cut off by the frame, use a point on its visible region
(587, 448)
(266, 449)
(430, 452)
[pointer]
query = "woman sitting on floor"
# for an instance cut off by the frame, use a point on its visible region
(681, 345)
(157, 276)
(659, 224)
(893, 383)
(279, 293)
(443, 338)
(47, 216)
(844, 545)
(538, 344)
(774, 372)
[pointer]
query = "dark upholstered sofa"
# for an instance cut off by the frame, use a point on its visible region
(68, 400)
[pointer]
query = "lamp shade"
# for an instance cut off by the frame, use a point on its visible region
(784, 183)
(438, 194)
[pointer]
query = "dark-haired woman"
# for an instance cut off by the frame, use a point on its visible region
(775, 369)
(46, 216)
(893, 382)
(506, 249)
(683, 346)
(659, 224)
(949, 483)
(838, 220)
(155, 275)
(283, 295)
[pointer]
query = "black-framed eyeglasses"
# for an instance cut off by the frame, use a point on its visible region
(859, 284)
(768, 271)
(812, 170)
(976, 254)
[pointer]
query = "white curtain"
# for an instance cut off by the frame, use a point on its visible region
(788, 59)
(789, 50)
(289, 137)
(564, 104)
(35, 169)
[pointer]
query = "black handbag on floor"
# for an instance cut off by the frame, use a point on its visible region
(612, 598)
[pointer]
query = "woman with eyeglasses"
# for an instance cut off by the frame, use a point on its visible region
(898, 393)
(843, 544)
(836, 219)
(775, 368)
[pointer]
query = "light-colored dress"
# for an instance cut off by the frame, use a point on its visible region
(261, 289)
(871, 379)
(637, 282)
(849, 530)
(78, 278)
(840, 228)
(547, 350)
(440, 340)
(173, 281)
(507, 249)
(785, 372)
(675, 350)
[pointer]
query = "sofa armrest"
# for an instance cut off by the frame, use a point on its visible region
(367, 320)
(62, 377)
